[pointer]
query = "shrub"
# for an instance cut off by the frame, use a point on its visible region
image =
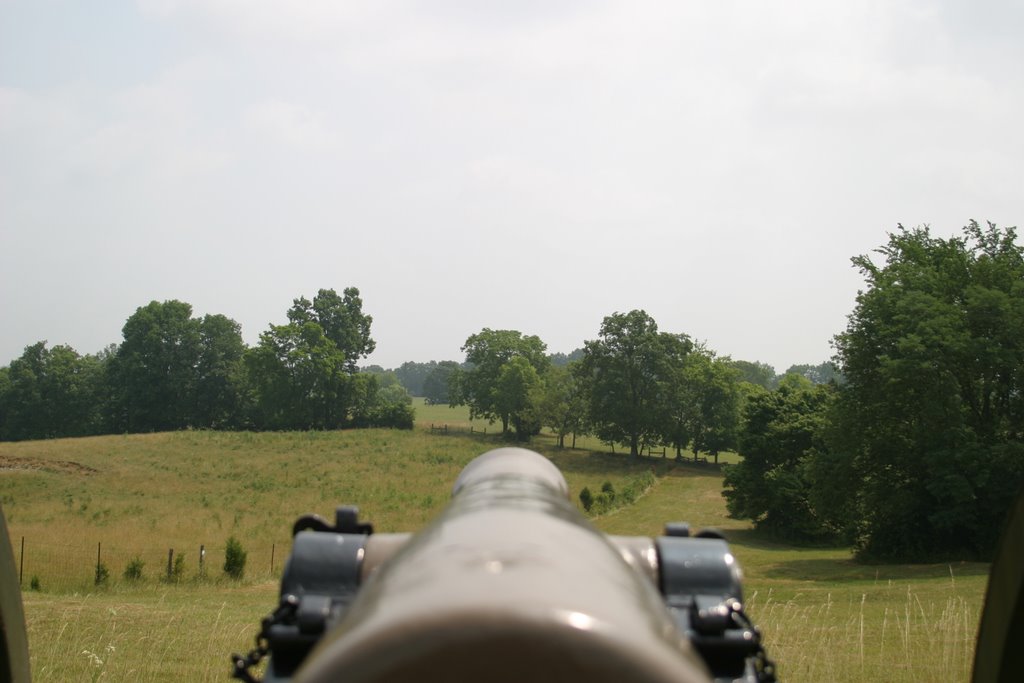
(178, 570)
(133, 572)
(586, 498)
(234, 559)
(34, 584)
(102, 574)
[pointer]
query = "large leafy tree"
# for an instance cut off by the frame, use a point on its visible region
(563, 402)
(703, 404)
(783, 430)
(221, 396)
(482, 386)
(929, 432)
(305, 372)
(629, 371)
(342, 320)
(153, 375)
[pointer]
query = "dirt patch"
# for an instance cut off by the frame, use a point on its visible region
(10, 462)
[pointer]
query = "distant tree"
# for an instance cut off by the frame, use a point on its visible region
(301, 379)
(487, 352)
(304, 374)
(414, 375)
(563, 359)
(221, 397)
(783, 430)
(703, 404)
(49, 393)
(823, 373)
(930, 428)
(435, 386)
(516, 395)
(154, 371)
(563, 403)
(755, 372)
(627, 371)
(380, 400)
(342, 320)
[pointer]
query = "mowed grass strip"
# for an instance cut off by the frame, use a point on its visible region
(824, 616)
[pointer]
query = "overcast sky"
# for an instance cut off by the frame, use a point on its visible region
(532, 165)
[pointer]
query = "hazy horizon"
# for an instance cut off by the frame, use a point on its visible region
(531, 166)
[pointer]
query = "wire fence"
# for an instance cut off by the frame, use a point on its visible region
(87, 566)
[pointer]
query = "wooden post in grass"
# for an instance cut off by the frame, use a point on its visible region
(21, 561)
(202, 556)
(170, 562)
(99, 547)
(272, 546)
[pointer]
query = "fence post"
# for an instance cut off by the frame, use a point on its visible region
(202, 556)
(21, 562)
(99, 546)
(272, 548)
(170, 562)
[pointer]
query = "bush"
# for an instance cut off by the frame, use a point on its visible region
(133, 572)
(34, 584)
(178, 570)
(102, 574)
(586, 498)
(234, 559)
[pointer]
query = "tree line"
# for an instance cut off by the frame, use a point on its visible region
(173, 371)
(908, 445)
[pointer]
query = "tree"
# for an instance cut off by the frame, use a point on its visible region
(154, 371)
(220, 383)
(823, 373)
(627, 372)
(929, 429)
(301, 379)
(760, 374)
(563, 403)
(435, 385)
(413, 376)
(342, 320)
(703, 404)
(783, 430)
(516, 394)
(48, 393)
(305, 373)
(487, 352)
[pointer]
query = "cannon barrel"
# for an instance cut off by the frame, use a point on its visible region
(509, 583)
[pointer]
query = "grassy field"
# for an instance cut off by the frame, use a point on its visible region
(824, 616)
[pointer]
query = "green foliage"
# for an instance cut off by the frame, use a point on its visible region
(586, 498)
(496, 392)
(931, 419)
(177, 569)
(627, 373)
(562, 402)
(34, 583)
(702, 404)
(49, 393)
(304, 372)
(102, 574)
(757, 373)
(133, 570)
(435, 385)
(783, 431)
(234, 558)
(609, 499)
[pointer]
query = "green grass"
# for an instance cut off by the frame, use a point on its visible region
(824, 615)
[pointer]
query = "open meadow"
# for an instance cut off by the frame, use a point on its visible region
(824, 616)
